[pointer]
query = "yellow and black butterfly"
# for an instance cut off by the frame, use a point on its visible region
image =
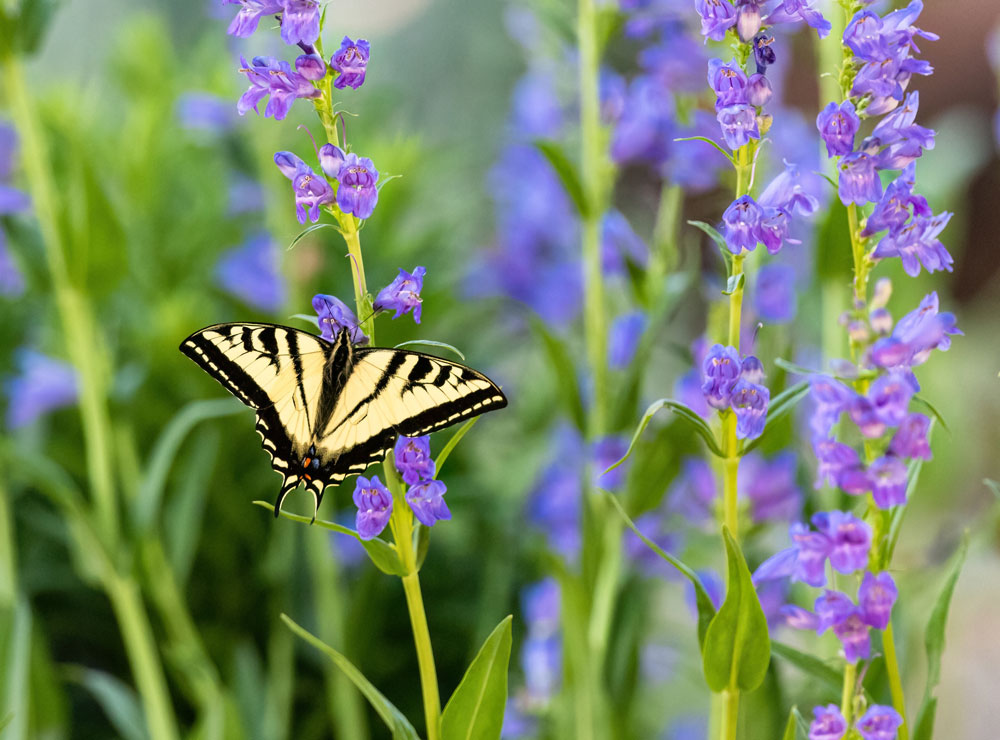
(327, 410)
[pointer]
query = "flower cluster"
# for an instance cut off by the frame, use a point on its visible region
(354, 177)
(733, 383)
(879, 722)
(401, 295)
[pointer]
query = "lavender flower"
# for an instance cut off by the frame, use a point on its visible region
(910, 440)
(357, 193)
(43, 384)
(728, 81)
(774, 295)
(742, 221)
(791, 11)
(850, 539)
(739, 124)
(837, 126)
(623, 338)
(758, 92)
(770, 485)
(876, 597)
(717, 17)
(836, 610)
(721, 370)
(275, 78)
(351, 61)
(250, 272)
(311, 190)
(311, 66)
(858, 181)
(300, 22)
(879, 723)
(198, 111)
(898, 203)
(646, 127)
(888, 481)
(831, 399)
(829, 723)
(374, 504)
(251, 11)
(793, 190)
(917, 244)
(890, 396)
(402, 294)
(915, 335)
(427, 501)
(334, 315)
(413, 459)
(750, 402)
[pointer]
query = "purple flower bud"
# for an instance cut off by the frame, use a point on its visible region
(300, 22)
(879, 723)
(880, 320)
(413, 459)
(290, 165)
(742, 220)
(427, 501)
(750, 402)
(888, 480)
(774, 296)
(721, 370)
(374, 504)
(402, 294)
(623, 338)
(334, 315)
(311, 66)
(882, 293)
(331, 160)
(829, 723)
(729, 82)
(717, 17)
(357, 193)
(850, 539)
(351, 61)
(876, 597)
(739, 124)
(752, 370)
(763, 53)
(759, 92)
(837, 126)
(748, 19)
(858, 182)
(910, 439)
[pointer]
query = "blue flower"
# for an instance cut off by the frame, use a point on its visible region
(374, 504)
(646, 127)
(275, 78)
(717, 17)
(898, 203)
(793, 11)
(910, 439)
(829, 723)
(535, 109)
(849, 540)
(199, 111)
(759, 92)
(739, 124)
(427, 501)
(402, 295)
(858, 181)
(888, 477)
(837, 126)
(351, 61)
(728, 81)
(334, 315)
(300, 22)
(623, 338)
(311, 190)
(413, 459)
(879, 723)
(915, 336)
(721, 370)
(748, 18)
(43, 384)
(251, 11)
(763, 52)
(742, 220)
(750, 402)
(774, 296)
(917, 244)
(310, 66)
(876, 596)
(250, 272)
(357, 193)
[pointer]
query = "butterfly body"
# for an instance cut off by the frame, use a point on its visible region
(327, 410)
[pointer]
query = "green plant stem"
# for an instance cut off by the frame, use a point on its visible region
(730, 713)
(847, 694)
(895, 680)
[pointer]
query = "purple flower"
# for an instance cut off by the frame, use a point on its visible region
(915, 336)
(739, 124)
(863, 36)
(770, 485)
(692, 493)
(763, 53)
(535, 108)
(897, 204)
(798, 618)
(728, 81)
(43, 384)
(311, 66)
(854, 636)
(721, 370)
(890, 395)
(357, 193)
(413, 459)
(750, 401)
(351, 61)
(831, 608)
(300, 22)
(773, 229)
(199, 111)
(245, 22)
(840, 466)
(541, 661)
(917, 244)
(888, 480)
(876, 597)
(759, 92)
(790, 11)
(829, 723)
(742, 220)
(900, 125)
(11, 279)
(831, 399)
(858, 180)
(850, 539)
(402, 294)
(250, 272)
(331, 160)
(837, 126)
(646, 127)
(910, 440)
(275, 78)
(619, 243)
(540, 606)
(752, 370)
(427, 501)
(374, 504)
(748, 18)
(792, 189)
(311, 190)
(717, 17)
(864, 414)
(623, 338)
(554, 505)
(774, 295)
(334, 315)
(879, 723)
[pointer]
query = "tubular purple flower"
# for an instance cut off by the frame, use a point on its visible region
(721, 370)
(331, 160)
(351, 61)
(623, 338)
(739, 124)
(900, 125)
(748, 19)
(43, 384)
(915, 336)
(792, 190)
(854, 637)
(728, 81)
(275, 78)
(374, 504)
(890, 395)
(774, 296)
(763, 52)
(334, 315)
(831, 398)
(772, 231)
(917, 244)
(863, 36)
(837, 126)
(742, 220)
(850, 539)
(897, 205)
(750, 402)
(413, 459)
(876, 597)
(864, 414)
(759, 92)
(888, 480)
(832, 607)
(858, 181)
(717, 17)
(770, 486)
(879, 723)
(798, 618)
(829, 723)
(357, 193)
(910, 440)
(402, 294)
(790, 11)
(840, 466)
(311, 66)
(427, 501)
(251, 11)
(300, 22)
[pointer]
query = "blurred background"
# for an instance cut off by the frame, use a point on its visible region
(175, 218)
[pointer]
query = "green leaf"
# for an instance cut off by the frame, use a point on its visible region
(737, 648)
(423, 537)
(934, 412)
(475, 710)
(795, 722)
(934, 642)
(809, 664)
(705, 139)
(734, 283)
(118, 700)
(382, 554)
(432, 343)
(719, 240)
(398, 724)
(993, 486)
(896, 521)
(780, 407)
(452, 443)
(312, 319)
(567, 173)
(703, 603)
(682, 411)
(563, 372)
(834, 255)
(308, 230)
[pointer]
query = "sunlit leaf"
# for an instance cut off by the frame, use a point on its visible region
(475, 711)
(566, 171)
(685, 413)
(432, 343)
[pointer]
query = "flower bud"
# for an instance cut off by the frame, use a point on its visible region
(759, 92)
(764, 123)
(331, 160)
(748, 19)
(311, 66)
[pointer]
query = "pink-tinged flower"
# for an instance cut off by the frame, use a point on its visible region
(910, 440)
(876, 597)
(915, 336)
(273, 78)
(357, 193)
(829, 723)
(413, 459)
(850, 539)
(879, 723)
(374, 504)
(351, 61)
(427, 501)
(402, 295)
(888, 480)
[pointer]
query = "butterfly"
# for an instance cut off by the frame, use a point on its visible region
(328, 410)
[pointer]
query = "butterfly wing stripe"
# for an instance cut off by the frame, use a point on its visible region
(227, 372)
(394, 364)
(440, 416)
(293, 347)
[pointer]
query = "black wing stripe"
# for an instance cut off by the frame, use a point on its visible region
(448, 413)
(390, 370)
(229, 374)
(293, 348)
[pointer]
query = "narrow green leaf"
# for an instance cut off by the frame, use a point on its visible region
(705, 139)
(118, 700)
(737, 648)
(566, 171)
(475, 710)
(809, 664)
(314, 319)
(896, 520)
(382, 554)
(834, 260)
(308, 230)
(703, 603)
(682, 411)
(452, 443)
(423, 537)
(780, 407)
(720, 242)
(934, 412)
(432, 343)
(795, 721)
(563, 372)
(923, 728)
(6, 721)
(398, 724)
(993, 486)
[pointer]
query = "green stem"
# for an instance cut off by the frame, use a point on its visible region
(847, 694)
(895, 680)
(731, 466)
(730, 713)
